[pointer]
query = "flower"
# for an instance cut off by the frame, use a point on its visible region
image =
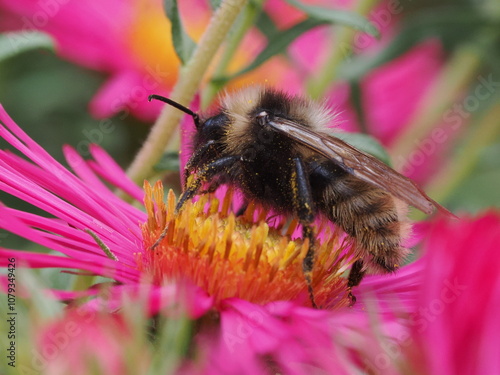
(95, 232)
(455, 324)
(131, 42)
(449, 297)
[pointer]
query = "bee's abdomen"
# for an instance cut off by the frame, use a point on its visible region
(371, 216)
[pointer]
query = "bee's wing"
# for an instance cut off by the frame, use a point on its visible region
(359, 164)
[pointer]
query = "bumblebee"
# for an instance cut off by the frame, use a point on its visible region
(274, 148)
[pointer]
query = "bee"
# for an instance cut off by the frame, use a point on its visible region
(274, 148)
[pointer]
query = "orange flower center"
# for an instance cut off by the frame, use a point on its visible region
(231, 256)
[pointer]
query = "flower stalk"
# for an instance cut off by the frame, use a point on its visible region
(165, 133)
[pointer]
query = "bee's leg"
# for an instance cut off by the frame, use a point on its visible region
(195, 159)
(304, 206)
(355, 276)
(204, 173)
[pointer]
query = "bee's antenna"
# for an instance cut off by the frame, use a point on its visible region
(195, 116)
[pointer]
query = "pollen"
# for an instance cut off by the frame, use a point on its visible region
(239, 256)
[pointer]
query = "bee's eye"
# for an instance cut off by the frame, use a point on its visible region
(263, 118)
(209, 123)
(215, 122)
(213, 127)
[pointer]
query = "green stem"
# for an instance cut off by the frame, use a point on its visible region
(241, 27)
(318, 86)
(455, 77)
(165, 130)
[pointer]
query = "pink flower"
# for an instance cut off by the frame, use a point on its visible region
(255, 327)
(130, 41)
(455, 327)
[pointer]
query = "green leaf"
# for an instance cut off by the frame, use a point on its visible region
(214, 4)
(168, 162)
(336, 16)
(276, 45)
(365, 143)
(266, 26)
(15, 43)
(183, 44)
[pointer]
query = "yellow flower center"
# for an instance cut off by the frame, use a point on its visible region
(231, 256)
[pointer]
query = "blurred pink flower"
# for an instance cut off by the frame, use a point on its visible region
(83, 342)
(392, 93)
(131, 42)
(455, 326)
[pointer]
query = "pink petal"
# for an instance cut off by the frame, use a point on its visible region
(126, 92)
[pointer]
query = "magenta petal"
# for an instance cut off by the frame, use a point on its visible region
(112, 97)
(79, 203)
(107, 168)
(460, 298)
(35, 260)
(390, 106)
(392, 292)
(73, 25)
(50, 176)
(288, 338)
